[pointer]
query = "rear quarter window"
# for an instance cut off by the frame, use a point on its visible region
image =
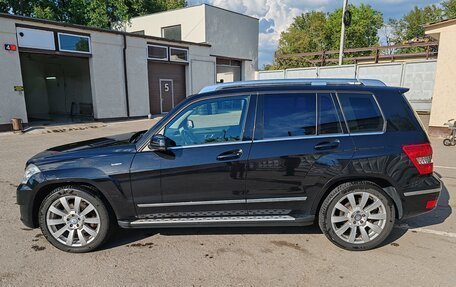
(361, 112)
(398, 113)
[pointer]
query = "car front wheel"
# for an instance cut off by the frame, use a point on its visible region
(74, 219)
(357, 216)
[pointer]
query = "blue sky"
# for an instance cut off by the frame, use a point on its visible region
(276, 15)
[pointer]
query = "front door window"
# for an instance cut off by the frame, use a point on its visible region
(208, 122)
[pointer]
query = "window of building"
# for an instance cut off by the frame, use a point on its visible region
(289, 115)
(361, 112)
(328, 119)
(35, 38)
(74, 43)
(172, 32)
(211, 121)
(178, 55)
(155, 52)
(228, 62)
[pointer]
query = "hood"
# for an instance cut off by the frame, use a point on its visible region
(93, 147)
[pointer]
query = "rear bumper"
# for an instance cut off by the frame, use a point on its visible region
(420, 201)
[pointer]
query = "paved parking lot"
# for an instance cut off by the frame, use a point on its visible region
(420, 252)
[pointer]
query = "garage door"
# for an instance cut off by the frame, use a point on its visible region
(166, 86)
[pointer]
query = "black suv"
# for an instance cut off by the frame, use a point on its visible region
(348, 154)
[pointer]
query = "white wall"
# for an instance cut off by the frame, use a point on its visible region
(345, 71)
(107, 76)
(191, 19)
(230, 34)
(235, 36)
(390, 74)
(201, 70)
(107, 82)
(228, 74)
(418, 76)
(12, 104)
(138, 81)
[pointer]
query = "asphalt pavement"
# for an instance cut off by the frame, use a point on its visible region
(420, 251)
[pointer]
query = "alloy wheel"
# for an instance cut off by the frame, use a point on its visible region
(73, 221)
(358, 217)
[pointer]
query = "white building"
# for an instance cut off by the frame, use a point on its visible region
(51, 71)
(233, 37)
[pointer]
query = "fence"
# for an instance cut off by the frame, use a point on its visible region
(418, 76)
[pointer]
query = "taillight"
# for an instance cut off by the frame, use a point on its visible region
(421, 156)
(430, 204)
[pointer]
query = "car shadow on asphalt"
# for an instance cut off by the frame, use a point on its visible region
(122, 237)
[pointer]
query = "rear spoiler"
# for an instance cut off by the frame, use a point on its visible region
(403, 90)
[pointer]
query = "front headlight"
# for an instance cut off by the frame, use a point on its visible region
(29, 172)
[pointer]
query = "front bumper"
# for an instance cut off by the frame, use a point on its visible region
(418, 201)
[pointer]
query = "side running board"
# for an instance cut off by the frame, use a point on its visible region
(268, 220)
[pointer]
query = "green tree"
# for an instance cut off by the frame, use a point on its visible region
(411, 26)
(304, 34)
(17, 7)
(96, 13)
(449, 8)
(362, 33)
(316, 31)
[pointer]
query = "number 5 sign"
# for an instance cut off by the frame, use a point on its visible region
(166, 95)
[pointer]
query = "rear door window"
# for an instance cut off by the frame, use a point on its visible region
(289, 115)
(361, 112)
(328, 118)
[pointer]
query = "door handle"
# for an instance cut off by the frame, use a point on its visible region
(232, 154)
(327, 145)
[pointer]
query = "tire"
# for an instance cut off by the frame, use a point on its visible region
(446, 142)
(74, 219)
(372, 223)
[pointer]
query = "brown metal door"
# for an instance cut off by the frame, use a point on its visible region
(166, 95)
(166, 86)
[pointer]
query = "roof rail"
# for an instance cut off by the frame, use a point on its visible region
(311, 82)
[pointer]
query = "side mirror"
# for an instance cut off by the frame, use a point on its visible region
(158, 142)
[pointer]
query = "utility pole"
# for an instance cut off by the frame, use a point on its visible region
(342, 33)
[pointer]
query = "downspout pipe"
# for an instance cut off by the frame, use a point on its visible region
(127, 101)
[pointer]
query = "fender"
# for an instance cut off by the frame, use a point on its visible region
(115, 187)
(385, 183)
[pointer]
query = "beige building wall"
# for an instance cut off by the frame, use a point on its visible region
(12, 104)
(444, 96)
(192, 21)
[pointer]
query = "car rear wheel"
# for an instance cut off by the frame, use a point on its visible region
(74, 219)
(357, 216)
